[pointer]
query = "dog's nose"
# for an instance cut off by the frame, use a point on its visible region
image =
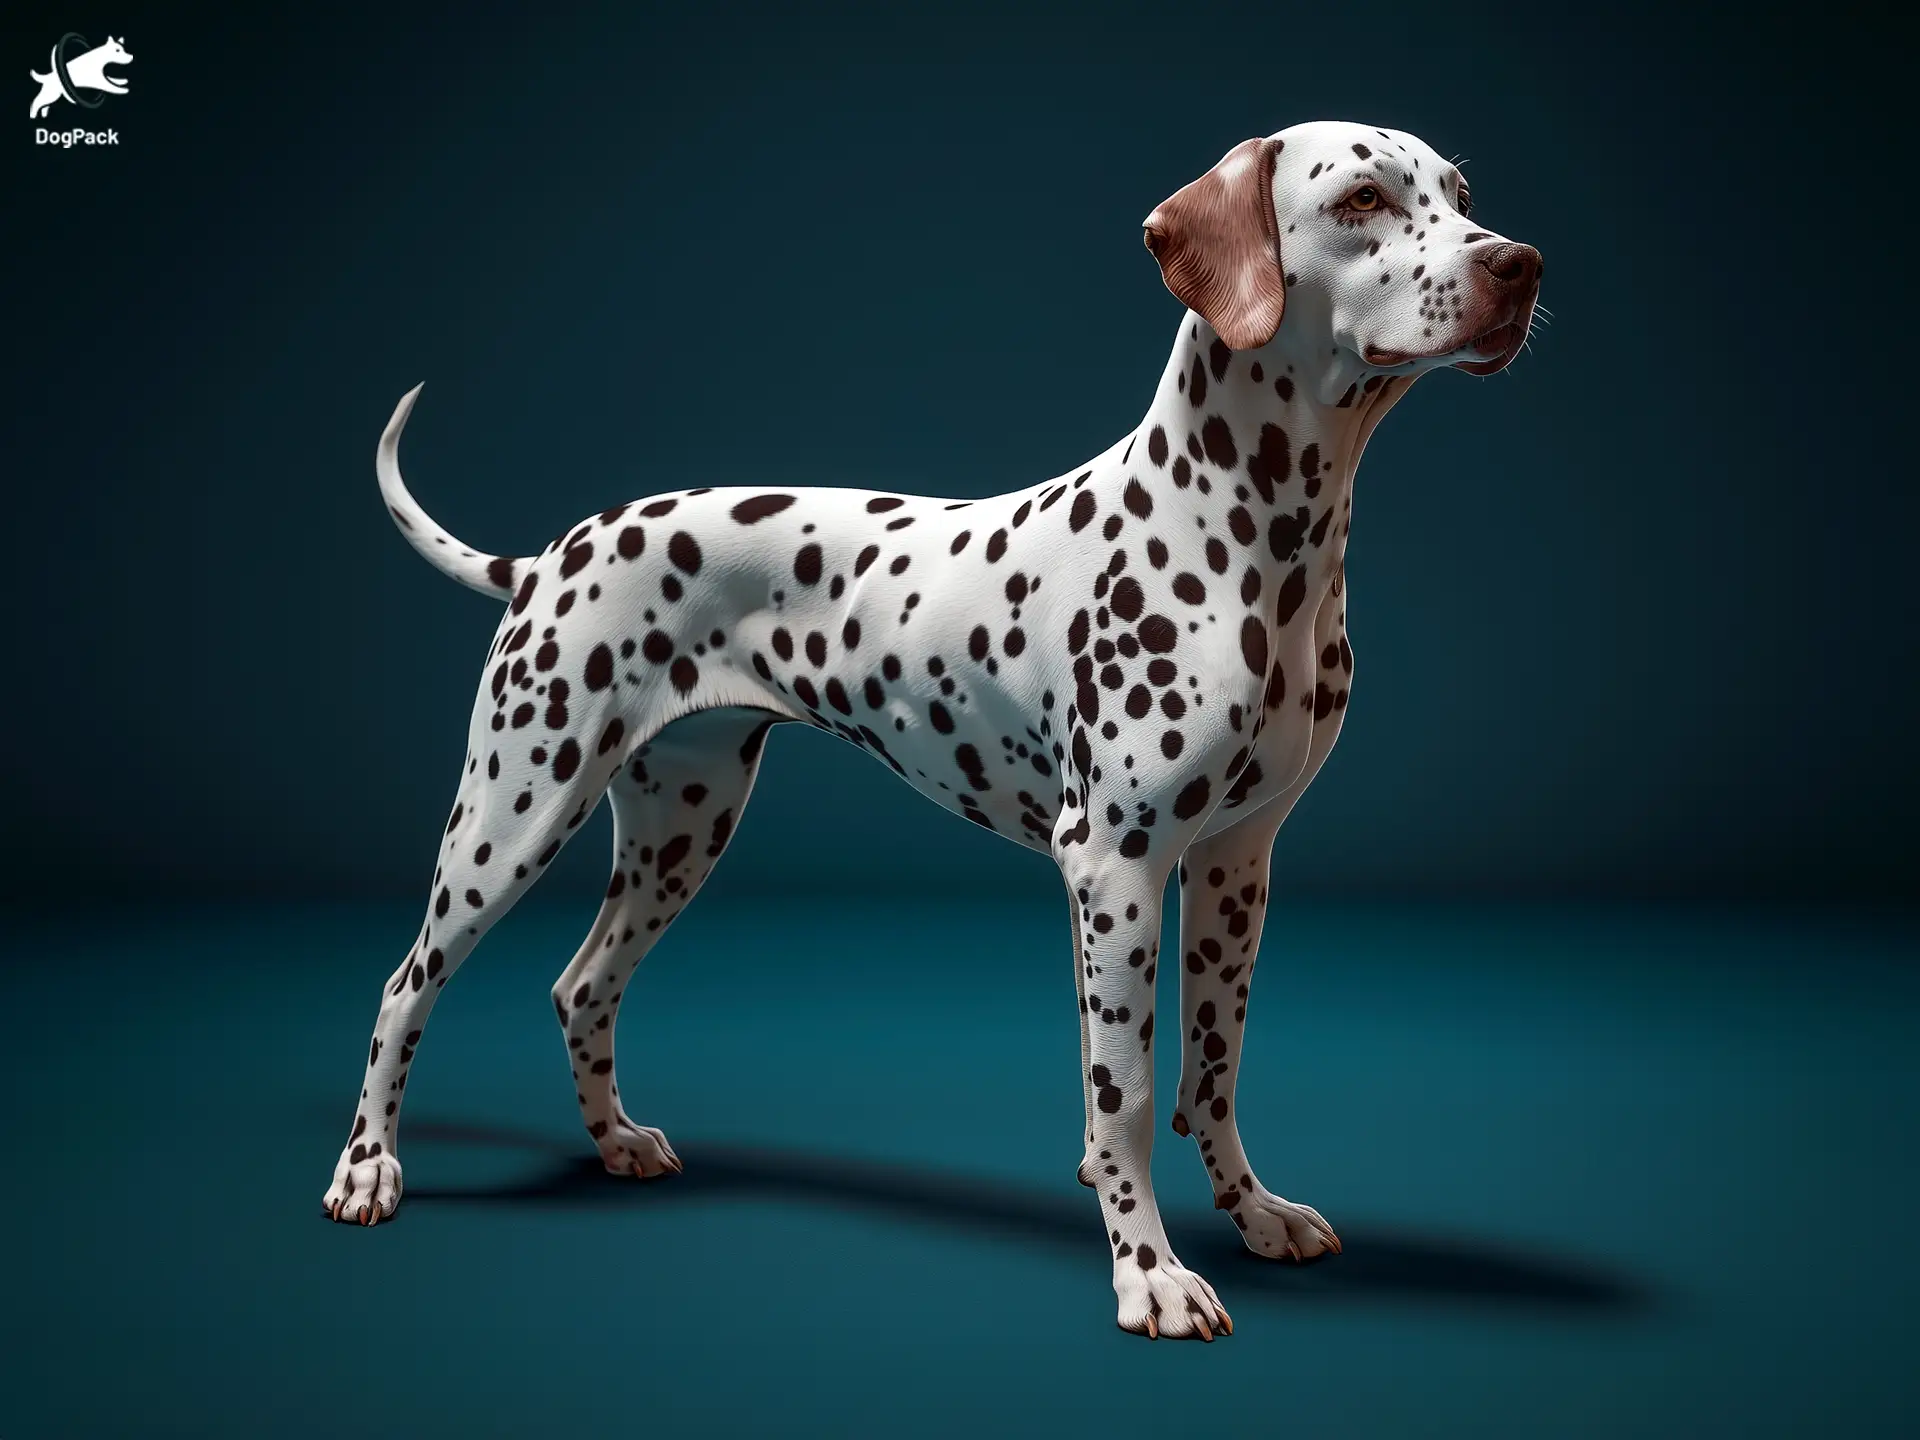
(1516, 265)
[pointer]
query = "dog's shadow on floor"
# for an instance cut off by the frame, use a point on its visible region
(1375, 1263)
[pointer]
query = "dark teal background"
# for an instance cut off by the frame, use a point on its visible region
(1588, 1001)
(1633, 618)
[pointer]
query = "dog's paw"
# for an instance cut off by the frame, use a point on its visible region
(365, 1190)
(630, 1149)
(1276, 1228)
(1166, 1299)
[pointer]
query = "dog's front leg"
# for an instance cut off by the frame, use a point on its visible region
(1117, 910)
(1223, 902)
(1089, 1171)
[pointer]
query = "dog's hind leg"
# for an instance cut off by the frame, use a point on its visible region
(511, 815)
(675, 805)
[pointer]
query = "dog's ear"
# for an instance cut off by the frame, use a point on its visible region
(1218, 244)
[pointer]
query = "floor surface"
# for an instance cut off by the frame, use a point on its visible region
(1598, 1174)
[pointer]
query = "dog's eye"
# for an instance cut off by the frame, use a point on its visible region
(1358, 206)
(1464, 202)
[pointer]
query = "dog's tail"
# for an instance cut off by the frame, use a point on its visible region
(494, 575)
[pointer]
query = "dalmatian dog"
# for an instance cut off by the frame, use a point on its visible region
(1135, 666)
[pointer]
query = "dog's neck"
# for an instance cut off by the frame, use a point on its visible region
(1294, 425)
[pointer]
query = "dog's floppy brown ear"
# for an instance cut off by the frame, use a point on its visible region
(1218, 245)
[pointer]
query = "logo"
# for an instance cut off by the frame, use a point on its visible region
(77, 72)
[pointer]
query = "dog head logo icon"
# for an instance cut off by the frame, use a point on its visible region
(74, 70)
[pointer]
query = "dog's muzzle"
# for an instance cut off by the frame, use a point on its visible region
(1507, 292)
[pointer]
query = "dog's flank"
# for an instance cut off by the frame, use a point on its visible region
(1135, 667)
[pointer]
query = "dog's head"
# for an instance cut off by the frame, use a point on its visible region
(113, 53)
(1368, 234)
